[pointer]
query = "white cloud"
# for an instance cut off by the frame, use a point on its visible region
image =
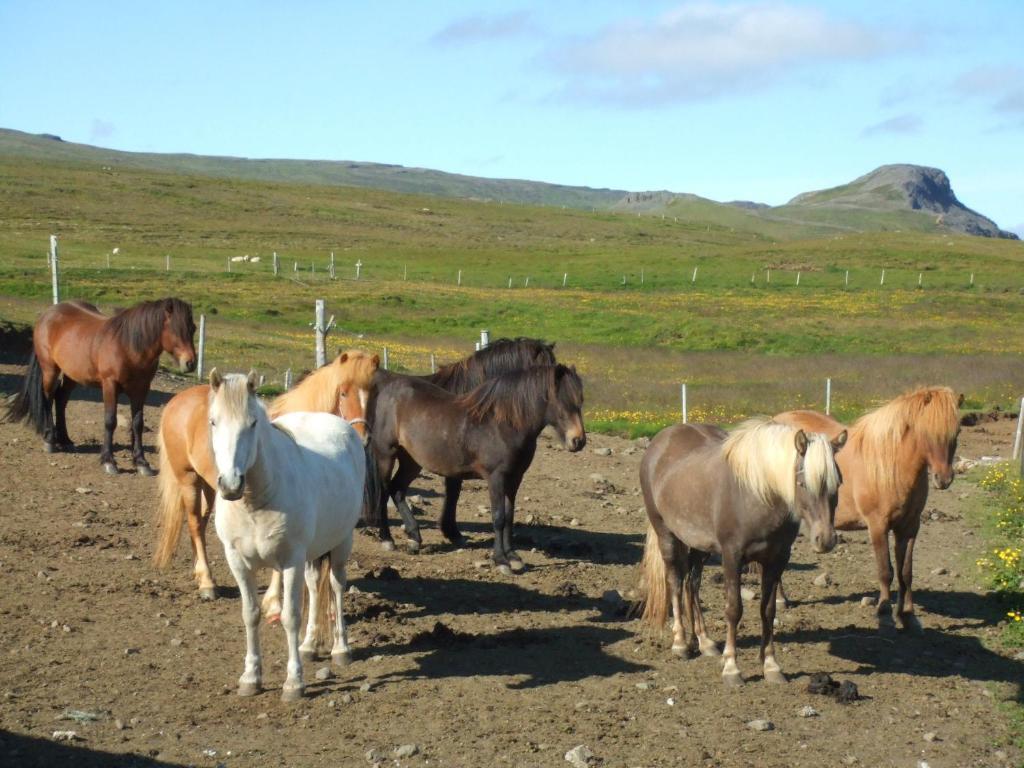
(700, 50)
(907, 123)
(477, 29)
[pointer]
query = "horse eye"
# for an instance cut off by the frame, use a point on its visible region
(213, 423)
(252, 423)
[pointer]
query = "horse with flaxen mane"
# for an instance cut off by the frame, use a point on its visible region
(744, 496)
(499, 357)
(885, 469)
(188, 475)
(73, 343)
(489, 433)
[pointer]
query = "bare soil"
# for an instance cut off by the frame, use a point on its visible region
(472, 667)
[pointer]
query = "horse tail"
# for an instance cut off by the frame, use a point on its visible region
(170, 514)
(373, 488)
(654, 582)
(30, 404)
(323, 635)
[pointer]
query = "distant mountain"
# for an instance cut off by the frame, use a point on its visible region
(893, 197)
(902, 187)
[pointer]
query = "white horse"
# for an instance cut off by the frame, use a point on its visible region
(288, 493)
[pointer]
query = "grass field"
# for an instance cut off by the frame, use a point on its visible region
(631, 315)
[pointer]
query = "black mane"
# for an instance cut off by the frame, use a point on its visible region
(499, 357)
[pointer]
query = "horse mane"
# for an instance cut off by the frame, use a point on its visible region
(762, 455)
(512, 398)
(499, 357)
(877, 435)
(319, 390)
(234, 394)
(138, 328)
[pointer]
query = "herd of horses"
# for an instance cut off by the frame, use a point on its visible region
(291, 480)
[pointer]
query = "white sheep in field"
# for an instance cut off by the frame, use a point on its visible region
(237, 259)
(254, 260)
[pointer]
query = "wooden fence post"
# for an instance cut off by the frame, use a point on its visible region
(55, 269)
(321, 329)
(828, 397)
(201, 354)
(683, 396)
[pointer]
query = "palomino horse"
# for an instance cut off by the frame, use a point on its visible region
(490, 433)
(75, 344)
(499, 357)
(289, 493)
(188, 475)
(885, 479)
(742, 495)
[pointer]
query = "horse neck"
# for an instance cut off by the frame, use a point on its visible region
(910, 461)
(259, 478)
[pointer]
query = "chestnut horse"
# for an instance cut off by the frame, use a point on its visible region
(188, 475)
(744, 496)
(885, 479)
(73, 343)
(490, 433)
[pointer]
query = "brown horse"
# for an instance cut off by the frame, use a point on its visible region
(885, 479)
(75, 344)
(742, 495)
(490, 433)
(188, 475)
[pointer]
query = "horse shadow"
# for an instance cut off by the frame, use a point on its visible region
(30, 752)
(973, 610)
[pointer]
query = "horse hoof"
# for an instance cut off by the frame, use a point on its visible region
(710, 650)
(911, 625)
(110, 468)
(455, 539)
(683, 652)
(886, 626)
(413, 545)
(504, 569)
(733, 680)
(342, 659)
(145, 470)
(307, 656)
(774, 676)
(517, 565)
(207, 593)
(388, 546)
(249, 689)
(49, 448)
(292, 694)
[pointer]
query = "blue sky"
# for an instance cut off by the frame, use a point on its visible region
(754, 100)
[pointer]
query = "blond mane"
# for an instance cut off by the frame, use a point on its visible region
(762, 454)
(321, 389)
(930, 412)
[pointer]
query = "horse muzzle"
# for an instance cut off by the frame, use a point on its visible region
(231, 491)
(575, 444)
(824, 542)
(187, 365)
(942, 481)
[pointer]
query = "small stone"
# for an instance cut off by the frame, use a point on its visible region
(574, 523)
(597, 479)
(130, 556)
(643, 686)
(823, 579)
(931, 737)
(198, 633)
(375, 756)
(262, 716)
(65, 735)
(530, 519)
(808, 711)
(406, 750)
(415, 499)
(130, 651)
(939, 572)
(176, 641)
(867, 602)
(83, 490)
(324, 673)
(999, 755)
(579, 756)
(134, 722)
(761, 725)
(602, 451)
(670, 701)
(1019, 656)
(119, 724)
(365, 688)
(346, 698)
(480, 563)
(747, 593)
(354, 590)
(377, 659)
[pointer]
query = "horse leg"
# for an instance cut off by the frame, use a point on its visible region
(706, 644)
(781, 598)
(385, 465)
(271, 604)
(192, 499)
(50, 384)
(398, 489)
(137, 402)
(496, 486)
(452, 489)
(251, 681)
(770, 575)
(514, 560)
(61, 396)
(904, 541)
(109, 423)
(341, 654)
(307, 651)
(880, 542)
(674, 554)
(290, 618)
(733, 613)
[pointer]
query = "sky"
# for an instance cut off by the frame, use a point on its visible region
(728, 100)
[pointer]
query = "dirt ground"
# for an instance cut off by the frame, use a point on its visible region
(471, 667)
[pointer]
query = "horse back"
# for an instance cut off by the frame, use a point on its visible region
(67, 336)
(812, 421)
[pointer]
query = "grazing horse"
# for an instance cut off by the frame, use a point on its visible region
(499, 357)
(885, 479)
(289, 493)
(75, 344)
(742, 495)
(188, 476)
(489, 433)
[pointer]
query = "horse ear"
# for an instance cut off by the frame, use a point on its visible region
(216, 379)
(376, 361)
(342, 358)
(168, 307)
(251, 381)
(960, 401)
(839, 442)
(800, 440)
(927, 398)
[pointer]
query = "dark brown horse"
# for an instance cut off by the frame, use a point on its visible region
(742, 495)
(499, 357)
(75, 344)
(490, 433)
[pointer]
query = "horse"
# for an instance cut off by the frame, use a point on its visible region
(499, 357)
(73, 343)
(742, 495)
(289, 493)
(489, 433)
(885, 480)
(188, 475)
